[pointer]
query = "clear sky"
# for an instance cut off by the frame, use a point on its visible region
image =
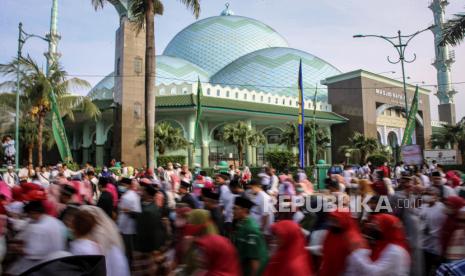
(323, 28)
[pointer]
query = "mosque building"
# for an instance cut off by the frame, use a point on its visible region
(248, 72)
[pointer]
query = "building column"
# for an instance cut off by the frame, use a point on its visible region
(75, 144)
(248, 153)
(205, 148)
(86, 142)
(99, 142)
(254, 156)
(205, 156)
(328, 150)
(191, 139)
(385, 136)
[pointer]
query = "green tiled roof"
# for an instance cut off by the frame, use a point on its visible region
(218, 103)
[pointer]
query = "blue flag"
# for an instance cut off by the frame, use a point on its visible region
(301, 119)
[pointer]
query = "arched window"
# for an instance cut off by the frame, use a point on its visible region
(237, 95)
(261, 98)
(208, 91)
(245, 96)
(269, 99)
(162, 91)
(227, 94)
(272, 135)
(173, 91)
(218, 93)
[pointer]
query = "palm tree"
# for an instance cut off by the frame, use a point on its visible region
(290, 138)
(240, 135)
(28, 135)
(450, 135)
(143, 15)
(166, 137)
(454, 30)
(36, 89)
(361, 145)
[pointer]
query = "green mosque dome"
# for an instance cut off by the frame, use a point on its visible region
(275, 70)
(214, 42)
(234, 51)
(169, 70)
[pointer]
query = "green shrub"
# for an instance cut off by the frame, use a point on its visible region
(377, 159)
(281, 159)
(164, 160)
(73, 166)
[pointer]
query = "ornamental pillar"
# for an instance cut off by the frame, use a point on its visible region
(99, 143)
(249, 155)
(86, 142)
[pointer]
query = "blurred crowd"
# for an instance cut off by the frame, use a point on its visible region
(176, 220)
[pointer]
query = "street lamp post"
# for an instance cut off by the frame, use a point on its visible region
(400, 43)
(22, 38)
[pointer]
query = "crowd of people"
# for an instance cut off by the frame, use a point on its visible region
(367, 220)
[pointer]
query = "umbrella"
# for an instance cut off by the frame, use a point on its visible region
(89, 265)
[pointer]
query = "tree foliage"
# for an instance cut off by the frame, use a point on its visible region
(454, 30)
(290, 138)
(241, 135)
(281, 160)
(36, 88)
(361, 146)
(166, 138)
(450, 136)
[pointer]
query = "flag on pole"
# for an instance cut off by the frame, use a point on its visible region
(198, 112)
(59, 132)
(411, 120)
(314, 126)
(301, 119)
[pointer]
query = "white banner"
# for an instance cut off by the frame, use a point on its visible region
(412, 155)
(443, 157)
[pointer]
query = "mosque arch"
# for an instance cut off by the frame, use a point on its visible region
(176, 124)
(384, 107)
(392, 139)
(380, 137)
(272, 134)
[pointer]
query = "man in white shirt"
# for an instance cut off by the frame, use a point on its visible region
(263, 210)
(42, 237)
(43, 176)
(129, 203)
(10, 177)
(226, 199)
(439, 182)
(432, 217)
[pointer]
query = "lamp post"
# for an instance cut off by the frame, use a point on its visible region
(22, 38)
(400, 43)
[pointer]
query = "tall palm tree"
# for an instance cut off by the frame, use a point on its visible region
(362, 145)
(36, 89)
(143, 15)
(240, 135)
(451, 135)
(454, 30)
(166, 137)
(290, 138)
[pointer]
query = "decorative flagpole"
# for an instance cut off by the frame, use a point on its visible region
(301, 119)
(314, 126)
